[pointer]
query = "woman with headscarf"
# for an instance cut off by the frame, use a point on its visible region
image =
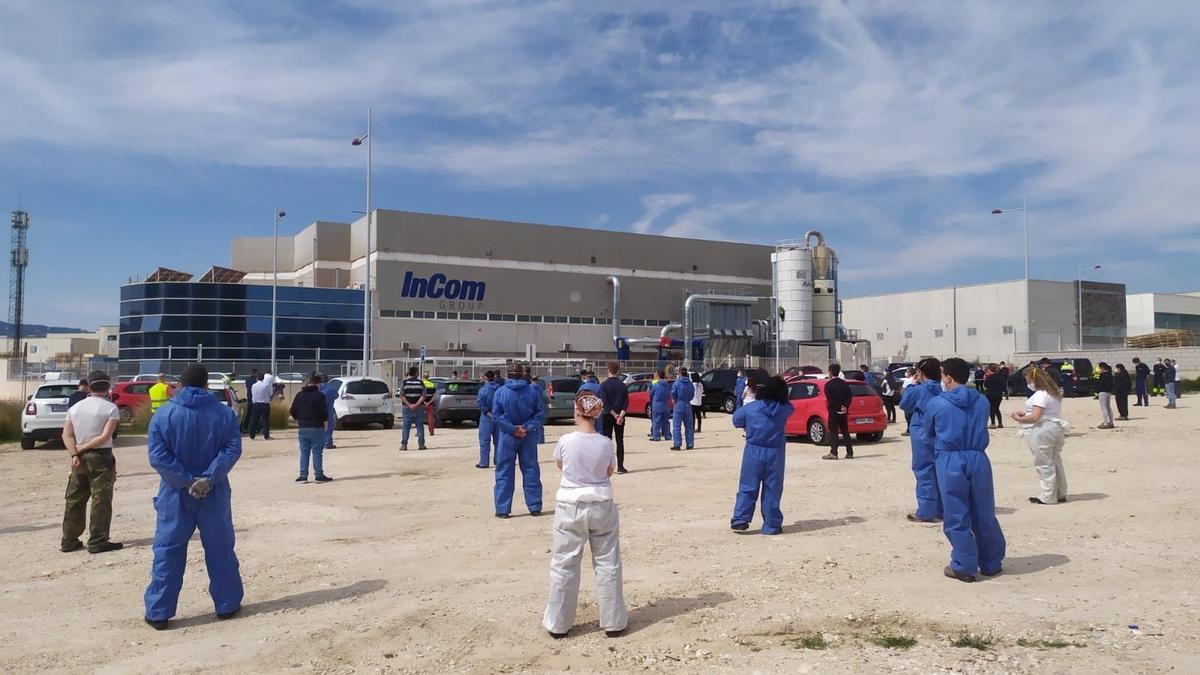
(585, 513)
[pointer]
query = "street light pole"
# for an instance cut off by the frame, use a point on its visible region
(274, 278)
(366, 357)
(1081, 271)
(1024, 208)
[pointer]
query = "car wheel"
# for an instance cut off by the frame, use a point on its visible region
(391, 422)
(126, 415)
(27, 442)
(339, 425)
(816, 431)
(728, 405)
(648, 410)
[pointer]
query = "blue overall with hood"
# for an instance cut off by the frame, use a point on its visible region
(540, 385)
(739, 388)
(517, 404)
(660, 410)
(682, 391)
(193, 436)
(914, 402)
(489, 434)
(957, 423)
(762, 462)
(331, 394)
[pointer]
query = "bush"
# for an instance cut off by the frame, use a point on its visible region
(10, 420)
(280, 418)
(1189, 386)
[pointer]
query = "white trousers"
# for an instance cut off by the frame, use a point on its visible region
(1106, 407)
(1046, 439)
(595, 524)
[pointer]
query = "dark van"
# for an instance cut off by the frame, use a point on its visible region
(719, 385)
(1080, 382)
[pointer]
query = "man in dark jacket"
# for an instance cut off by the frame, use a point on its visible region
(837, 396)
(615, 395)
(1141, 373)
(311, 411)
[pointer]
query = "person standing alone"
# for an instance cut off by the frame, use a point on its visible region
(924, 462)
(682, 391)
(838, 399)
(193, 445)
(248, 415)
(160, 392)
(330, 393)
(88, 434)
(1121, 387)
(615, 395)
(1141, 373)
(994, 385)
(489, 434)
(311, 412)
(762, 457)
(660, 408)
(517, 411)
(260, 404)
(1104, 390)
(1170, 382)
(697, 400)
(413, 397)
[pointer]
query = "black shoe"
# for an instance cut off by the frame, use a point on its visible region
(1035, 500)
(72, 546)
(331, 446)
(740, 527)
(849, 454)
(267, 438)
(502, 515)
(106, 547)
(228, 615)
(690, 447)
(535, 514)
(676, 449)
(161, 624)
(302, 479)
(482, 466)
(829, 456)
(993, 574)
(558, 636)
(917, 519)
(614, 633)
(323, 479)
(1062, 500)
(421, 447)
(621, 469)
(949, 572)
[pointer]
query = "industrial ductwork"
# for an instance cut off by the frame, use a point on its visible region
(666, 330)
(688, 329)
(616, 308)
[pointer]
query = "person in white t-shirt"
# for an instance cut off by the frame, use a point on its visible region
(586, 513)
(750, 393)
(88, 435)
(1046, 432)
(260, 405)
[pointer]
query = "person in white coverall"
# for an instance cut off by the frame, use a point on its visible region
(1044, 429)
(585, 514)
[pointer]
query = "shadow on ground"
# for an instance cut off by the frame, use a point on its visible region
(816, 525)
(296, 601)
(373, 476)
(18, 529)
(1086, 497)
(660, 610)
(1032, 564)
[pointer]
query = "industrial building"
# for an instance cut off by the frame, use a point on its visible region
(1150, 312)
(990, 322)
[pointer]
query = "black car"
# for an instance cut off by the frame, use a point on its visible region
(719, 385)
(1080, 382)
(895, 373)
(454, 401)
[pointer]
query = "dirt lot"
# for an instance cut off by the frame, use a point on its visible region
(399, 566)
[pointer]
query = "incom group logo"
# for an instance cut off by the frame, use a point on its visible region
(439, 287)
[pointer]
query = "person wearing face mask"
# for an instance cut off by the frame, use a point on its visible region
(955, 422)
(1045, 431)
(914, 401)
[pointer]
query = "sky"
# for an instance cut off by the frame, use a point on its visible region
(142, 134)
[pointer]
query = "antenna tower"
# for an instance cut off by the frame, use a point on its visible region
(16, 280)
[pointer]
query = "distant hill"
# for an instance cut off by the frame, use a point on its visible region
(38, 330)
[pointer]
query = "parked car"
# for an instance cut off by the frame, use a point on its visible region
(132, 396)
(895, 373)
(811, 416)
(363, 400)
(227, 396)
(795, 371)
(454, 401)
(291, 378)
(561, 391)
(719, 385)
(153, 377)
(1082, 382)
(45, 412)
(637, 377)
(639, 397)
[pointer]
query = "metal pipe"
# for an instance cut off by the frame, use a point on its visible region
(616, 308)
(813, 233)
(666, 330)
(687, 316)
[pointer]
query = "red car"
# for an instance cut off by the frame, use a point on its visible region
(130, 396)
(639, 397)
(811, 419)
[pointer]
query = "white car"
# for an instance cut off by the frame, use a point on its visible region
(45, 412)
(363, 400)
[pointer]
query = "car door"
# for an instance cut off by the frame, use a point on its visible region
(639, 398)
(805, 397)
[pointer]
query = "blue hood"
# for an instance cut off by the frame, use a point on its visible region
(962, 396)
(194, 397)
(516, 384)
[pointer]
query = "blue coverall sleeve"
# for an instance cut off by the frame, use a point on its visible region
(534, 423)
(739, 417)
(908, 399)
(229, 453)
(162, 459)
(500, 417)
(480, 403)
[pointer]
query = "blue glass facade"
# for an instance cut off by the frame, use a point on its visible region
(232, 323)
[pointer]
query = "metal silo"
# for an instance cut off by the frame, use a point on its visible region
(824, 288)
(791, 272)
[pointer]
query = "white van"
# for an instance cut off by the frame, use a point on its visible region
(363, 400)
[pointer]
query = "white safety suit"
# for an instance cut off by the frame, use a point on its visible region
(1046, 438)
(585, 515)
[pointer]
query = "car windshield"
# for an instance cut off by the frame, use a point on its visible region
(56, 391)
(366, 387)
(861, 390)
(461, 388)
(569, 386)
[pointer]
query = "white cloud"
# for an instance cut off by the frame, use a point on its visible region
(654, 206)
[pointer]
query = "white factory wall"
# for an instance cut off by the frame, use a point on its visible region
(1140, 309)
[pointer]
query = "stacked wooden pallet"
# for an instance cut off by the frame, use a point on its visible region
(1177, 337)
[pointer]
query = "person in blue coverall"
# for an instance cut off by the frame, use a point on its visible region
(956, 422)
(331, 394)
(517, 412)
(194, 443)
(489, 434)
(660, 408)
(738, 388)
(682, 391)
(591, 383)
(763, 457)
(913, 402)
(539, 384)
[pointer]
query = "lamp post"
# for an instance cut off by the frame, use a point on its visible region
(1024, 209)
(274, 278)
(366, 357)
(1081, 271)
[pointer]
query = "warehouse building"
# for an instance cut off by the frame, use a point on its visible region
(457, 286)
(1150, 312)
(990, 322)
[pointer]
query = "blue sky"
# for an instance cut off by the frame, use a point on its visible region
(145, 134)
